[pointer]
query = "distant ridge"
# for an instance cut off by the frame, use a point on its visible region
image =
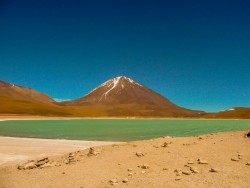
(117, 97)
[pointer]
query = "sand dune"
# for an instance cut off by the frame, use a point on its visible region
(214, 160)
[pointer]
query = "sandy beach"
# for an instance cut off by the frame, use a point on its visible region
(213, 160)
(13, 150)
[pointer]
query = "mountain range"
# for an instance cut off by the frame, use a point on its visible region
(117, 97)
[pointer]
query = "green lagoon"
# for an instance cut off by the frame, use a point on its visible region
(116, 129)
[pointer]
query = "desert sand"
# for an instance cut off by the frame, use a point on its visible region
(214, 160)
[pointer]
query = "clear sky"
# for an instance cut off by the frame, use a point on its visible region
(195, 53)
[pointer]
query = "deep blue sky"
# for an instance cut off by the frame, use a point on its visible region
(195, 53)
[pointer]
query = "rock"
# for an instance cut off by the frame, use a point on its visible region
(194, 170)
(130, 169)
(165, 169)
(47, 165)
(248, 135)
(143, 171)
(92, 152)
(27, 165)
(177, 178)
(240, 155)
(42, 161)
(190, 162)
(139, 154)
(113, 181)
(186, 172)
(145, 166)
(177, 170)
(234, 159)
(248, 163)
(125, 180)
(200, 161)
(130, 174)
(214, 170)
(165, 144)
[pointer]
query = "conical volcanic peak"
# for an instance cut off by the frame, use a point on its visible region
(123, 90)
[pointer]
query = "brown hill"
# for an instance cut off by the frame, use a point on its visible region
(16, 99)
(121, 96)
(233, 113)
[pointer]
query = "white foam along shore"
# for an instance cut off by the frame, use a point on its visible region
(15, 149)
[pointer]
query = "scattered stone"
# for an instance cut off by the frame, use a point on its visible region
(165, 169)
(248, 163)
(240, 155)
(92, 152)
(200, 138)
(200, 161)
(145, 166)
(130, 169)
(125, 180)
(63, 172)
(248, 135)
(139, 154)
(42, 161)
(47, 165)
(27, 165)
(214, 170)
(143, 171)
(177, 178)
(186, 172)
(190, 162)
(130, 174)
(194, 170)
(113, 181)
(165, 144)
(177, 170)
(234, 159)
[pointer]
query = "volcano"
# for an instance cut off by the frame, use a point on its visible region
(123, 96)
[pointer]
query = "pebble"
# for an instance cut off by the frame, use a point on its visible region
(125, 180)
(214, 170)
(177, 178)
(130, 169)
(200, 161)
(248, 163)
(190, 162)
(113, 181)
(186, 172)
(139, 154)
(145, 166)
(130, 174)
(165, 169)
(234, 159)
(194, 170)
(143, 171)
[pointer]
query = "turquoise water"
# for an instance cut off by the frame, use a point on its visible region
(116, 130)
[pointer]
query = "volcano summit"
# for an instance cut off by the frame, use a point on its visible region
(122, 95)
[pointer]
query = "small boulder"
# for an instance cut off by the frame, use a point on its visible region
(248, 163)
(27, 165)
(42, 161)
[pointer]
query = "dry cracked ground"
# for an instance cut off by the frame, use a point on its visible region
(214, 160)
